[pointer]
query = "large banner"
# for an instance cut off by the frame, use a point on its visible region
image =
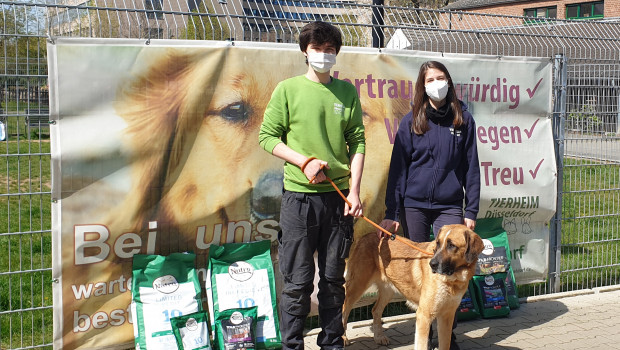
(155, 150)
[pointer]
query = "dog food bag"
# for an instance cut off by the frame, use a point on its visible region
(511, 290)
(468, 308)
(491, 294)
(191, 331)
(235, 329)
(496, 254)
(241, 276)
(163, 287)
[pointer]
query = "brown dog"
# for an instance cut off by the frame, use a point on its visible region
(434, 283)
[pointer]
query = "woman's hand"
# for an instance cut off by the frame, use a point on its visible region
(388, 225)
(471, 224)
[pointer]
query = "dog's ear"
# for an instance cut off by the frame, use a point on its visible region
(474, 246)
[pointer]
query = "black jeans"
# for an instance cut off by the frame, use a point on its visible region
(418, 222)
(312, 223)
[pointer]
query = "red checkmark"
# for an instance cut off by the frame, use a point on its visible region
(533, 173)
(531, 131)
(532, 92)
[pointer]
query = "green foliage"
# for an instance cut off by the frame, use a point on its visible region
(584, 119)
(352, 32)
(25, 27)
(204, 25)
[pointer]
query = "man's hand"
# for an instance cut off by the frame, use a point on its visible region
(388, 225)
(314, 171)
(356, 205)
(471, 224)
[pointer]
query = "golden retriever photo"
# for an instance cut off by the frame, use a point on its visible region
(434, 284)
(196, 174)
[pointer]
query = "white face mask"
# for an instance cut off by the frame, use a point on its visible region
(437, 90)
(321, 62)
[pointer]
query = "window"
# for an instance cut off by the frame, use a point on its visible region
(585, 10)
(541, 12)
(153, 5)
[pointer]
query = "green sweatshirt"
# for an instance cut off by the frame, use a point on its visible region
(316, 120)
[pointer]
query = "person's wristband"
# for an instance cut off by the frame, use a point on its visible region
(303, 166)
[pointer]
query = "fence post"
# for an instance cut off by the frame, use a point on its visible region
(618, 114)
(378, 12)
(559, 118)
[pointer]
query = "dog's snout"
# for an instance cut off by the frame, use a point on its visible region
(434, 264)
(266, 196)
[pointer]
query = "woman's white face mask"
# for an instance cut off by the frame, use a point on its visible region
(321, 62)
(437, 90)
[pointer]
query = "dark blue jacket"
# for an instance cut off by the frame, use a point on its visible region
(436, 170)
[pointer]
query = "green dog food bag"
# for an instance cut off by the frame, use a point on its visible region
(191, 331)
(496, 254)
(241, 276)
(235, 329)
(163, 287)
(491, 294)
(468, 308)
(511, 290)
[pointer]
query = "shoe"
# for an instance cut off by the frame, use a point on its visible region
(430, 339)
(453, 344)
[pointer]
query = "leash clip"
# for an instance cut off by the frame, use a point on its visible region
(392, 237)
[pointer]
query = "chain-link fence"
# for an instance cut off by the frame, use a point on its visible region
(585, 242)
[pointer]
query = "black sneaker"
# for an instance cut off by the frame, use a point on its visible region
(453, 344)
(430, 339)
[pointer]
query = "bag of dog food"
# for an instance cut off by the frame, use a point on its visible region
(495, 256)
(236, 329)
(241, 276)
(468, 308)
(491, 294)
(191, 331)
(162, 287)
(511, 290)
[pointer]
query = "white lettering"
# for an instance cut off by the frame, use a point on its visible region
(80, 232)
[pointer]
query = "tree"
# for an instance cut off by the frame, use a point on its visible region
(202, 26)
(24, 33)
(428, 4)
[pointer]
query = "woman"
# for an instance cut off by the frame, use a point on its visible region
(434, 172)
(434, 166)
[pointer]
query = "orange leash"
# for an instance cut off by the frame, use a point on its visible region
(390, 234)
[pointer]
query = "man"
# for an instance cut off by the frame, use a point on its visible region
(314, 123)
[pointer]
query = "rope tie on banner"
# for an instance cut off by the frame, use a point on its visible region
(391, 235)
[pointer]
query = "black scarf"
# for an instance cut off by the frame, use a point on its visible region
(439, 116)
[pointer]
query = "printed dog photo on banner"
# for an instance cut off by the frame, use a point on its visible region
(195, 174)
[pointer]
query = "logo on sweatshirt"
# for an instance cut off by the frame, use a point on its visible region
(338, 108)
(456, 132)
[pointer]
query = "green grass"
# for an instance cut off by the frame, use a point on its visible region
(590, 225)
(590, 236)
(25, 242)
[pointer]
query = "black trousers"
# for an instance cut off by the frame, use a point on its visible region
(312, 223)
(417, 225)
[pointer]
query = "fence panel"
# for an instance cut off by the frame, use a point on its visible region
(588, 124)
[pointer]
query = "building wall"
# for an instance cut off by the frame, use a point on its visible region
(456, 21)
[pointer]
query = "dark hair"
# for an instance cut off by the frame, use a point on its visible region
(420, 99)
(319, 33)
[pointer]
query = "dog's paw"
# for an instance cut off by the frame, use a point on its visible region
(382, 340)
(346, 340)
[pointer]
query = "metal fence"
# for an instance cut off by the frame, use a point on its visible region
(585, 242)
